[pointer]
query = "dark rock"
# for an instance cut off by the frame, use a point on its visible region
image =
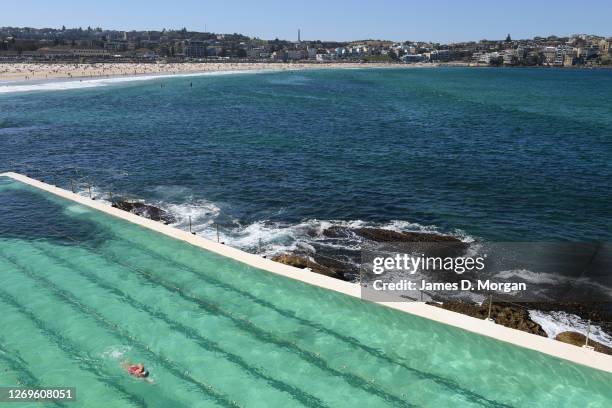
(145, 210)
(329, 262)
(434, 245)
(338, 232)
(303, 263)
(385, 235)
(578, 339)
(504, 314)
(343, 270)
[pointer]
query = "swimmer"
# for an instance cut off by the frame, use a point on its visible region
(136, 370)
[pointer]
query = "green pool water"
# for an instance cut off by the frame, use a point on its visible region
(82, 291)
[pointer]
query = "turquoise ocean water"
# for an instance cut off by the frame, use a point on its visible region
(83, 292)
(275, 159)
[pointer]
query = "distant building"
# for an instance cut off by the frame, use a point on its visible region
(61, 53)
(411, 58)
(486, 57)
(258, 53)
(116, 46)
(330, 56)
(437, 55)
(195, 49)
(214, 51)
(280, 55)
(550, 53)
(295, 55)
(560, 52)
(588, 51)
(569, 60)
(90, 53)
(508, 57)
(145, 54)
(312, 53)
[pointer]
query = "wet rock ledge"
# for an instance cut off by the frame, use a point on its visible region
(502, 313)
(578, 339)
(336, 268)
(144, 210)
(302, 262)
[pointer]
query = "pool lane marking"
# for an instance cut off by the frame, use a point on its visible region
(122, 333)
(473, 396)
(119, 332)
(564, 351)
(20, 366)
(261, 302)
(69, 348)
(351, 379)
(252, 329)
(300, 395)
(453, 386)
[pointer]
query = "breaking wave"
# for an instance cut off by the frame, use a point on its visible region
(308, 238)
(273, 237)
(554, 323)
(70, 84)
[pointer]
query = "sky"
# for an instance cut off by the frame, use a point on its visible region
(341, 20)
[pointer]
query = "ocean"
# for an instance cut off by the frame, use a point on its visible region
(488, 154)
(273, 160)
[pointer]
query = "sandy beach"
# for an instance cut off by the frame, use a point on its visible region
(38, 72)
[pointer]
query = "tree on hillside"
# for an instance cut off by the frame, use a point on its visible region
(605, 60)
(496, 61)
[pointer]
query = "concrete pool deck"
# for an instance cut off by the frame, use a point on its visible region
(526, 340)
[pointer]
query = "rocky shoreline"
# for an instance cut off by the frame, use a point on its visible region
(502, 313)
(144, 210)
(578, 339)
(506, 314)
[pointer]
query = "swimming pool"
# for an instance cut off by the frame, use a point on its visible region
(83, 291)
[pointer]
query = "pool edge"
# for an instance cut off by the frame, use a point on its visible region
(545, 345)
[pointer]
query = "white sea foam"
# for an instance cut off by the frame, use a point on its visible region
(554, 323)
(272, 238)
(96, 193)
(203, 214)
(116, 352)
(556, 281)
(70, 84)
(266, 237)
(530, 276)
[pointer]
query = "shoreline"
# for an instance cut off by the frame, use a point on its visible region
(551, 319)
(558, 349)
(29, 73)
(14, 73)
